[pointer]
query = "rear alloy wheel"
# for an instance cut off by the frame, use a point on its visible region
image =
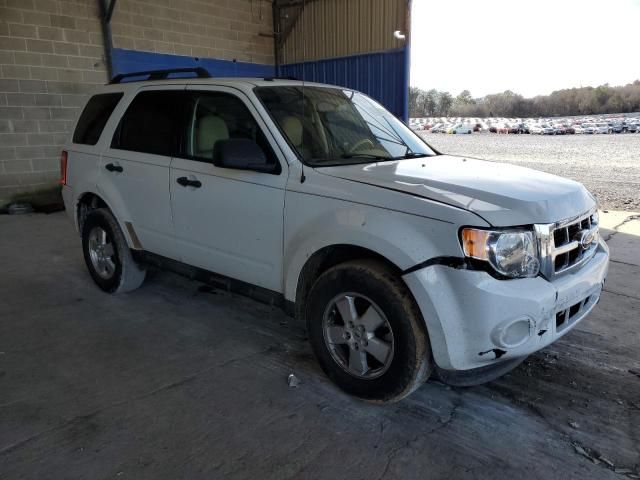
(107, 254)
(367, 332)
(101, 252)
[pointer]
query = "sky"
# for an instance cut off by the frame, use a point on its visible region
(531, 48)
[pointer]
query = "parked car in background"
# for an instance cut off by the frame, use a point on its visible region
(542, 129)
(460, 128)
(587, 124)
(588, 128)
(616, 128)
(519, 128)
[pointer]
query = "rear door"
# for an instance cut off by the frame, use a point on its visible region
(83, 159)
(231, 222)
(135, 166)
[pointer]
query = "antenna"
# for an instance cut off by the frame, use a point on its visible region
(304, 57)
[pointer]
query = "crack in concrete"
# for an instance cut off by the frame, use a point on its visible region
(447, 422)
(583, 451)
(624, 263)
(443, 424)
(621, 294)
(616, 227)
(392, 454)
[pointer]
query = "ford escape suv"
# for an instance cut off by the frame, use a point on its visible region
(403, 262)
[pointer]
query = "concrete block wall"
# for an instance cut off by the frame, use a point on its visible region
(52, 57)
(221, 29)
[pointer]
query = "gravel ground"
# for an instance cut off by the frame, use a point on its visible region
(608, 165)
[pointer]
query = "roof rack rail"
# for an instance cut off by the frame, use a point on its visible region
(161, 74)
(284, 77)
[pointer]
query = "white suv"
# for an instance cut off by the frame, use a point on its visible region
(403, 262)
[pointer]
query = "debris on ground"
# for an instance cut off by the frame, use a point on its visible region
(575, 425)
(19, 208)
(293, 381)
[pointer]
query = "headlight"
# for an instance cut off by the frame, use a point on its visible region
(512, 253)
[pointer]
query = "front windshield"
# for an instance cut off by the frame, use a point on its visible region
(332, 126)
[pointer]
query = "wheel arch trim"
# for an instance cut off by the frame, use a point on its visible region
(126, 227)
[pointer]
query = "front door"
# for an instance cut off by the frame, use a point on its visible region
(227, 221)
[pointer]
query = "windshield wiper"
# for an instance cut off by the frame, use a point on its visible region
(382, 158)
(365, 155)
(412, 155)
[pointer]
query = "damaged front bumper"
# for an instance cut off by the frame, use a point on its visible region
(474, 319)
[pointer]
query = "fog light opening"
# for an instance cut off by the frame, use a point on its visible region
(514, 333)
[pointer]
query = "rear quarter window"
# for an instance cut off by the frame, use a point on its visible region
(94, 117)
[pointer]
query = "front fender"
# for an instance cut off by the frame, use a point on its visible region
(313, 223)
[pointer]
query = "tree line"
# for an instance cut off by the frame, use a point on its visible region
(567, 102)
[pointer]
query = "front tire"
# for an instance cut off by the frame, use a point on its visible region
(107, 255)
(367, 332)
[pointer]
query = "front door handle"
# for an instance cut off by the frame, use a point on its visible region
(113, 168)
(185, 182)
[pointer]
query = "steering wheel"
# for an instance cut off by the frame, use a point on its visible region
(361, 143)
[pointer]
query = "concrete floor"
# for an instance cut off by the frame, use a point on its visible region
(178, 381)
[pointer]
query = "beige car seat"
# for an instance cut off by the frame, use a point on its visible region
(210, 129)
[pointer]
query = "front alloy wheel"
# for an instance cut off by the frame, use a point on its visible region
(367, 331)
(358, 335)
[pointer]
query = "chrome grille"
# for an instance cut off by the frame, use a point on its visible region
(567, 244)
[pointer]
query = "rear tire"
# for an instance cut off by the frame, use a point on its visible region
(107, 254)
(364, 294)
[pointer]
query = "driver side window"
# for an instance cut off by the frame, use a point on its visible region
(217, 116)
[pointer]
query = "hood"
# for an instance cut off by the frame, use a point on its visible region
(502, 194)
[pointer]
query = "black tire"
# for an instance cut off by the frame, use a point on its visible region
(127, 274)
(411, 363)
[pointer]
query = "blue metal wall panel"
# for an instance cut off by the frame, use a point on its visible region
(383, 76)
(126, 61)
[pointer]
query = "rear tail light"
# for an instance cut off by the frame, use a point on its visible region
(63, 167)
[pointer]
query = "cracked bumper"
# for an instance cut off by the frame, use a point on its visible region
(475, 320)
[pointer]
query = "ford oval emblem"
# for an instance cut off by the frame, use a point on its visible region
(585, 238)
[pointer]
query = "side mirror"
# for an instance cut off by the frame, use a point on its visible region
(241, 154)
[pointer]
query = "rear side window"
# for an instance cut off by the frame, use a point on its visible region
(94, 117)
(152, 123)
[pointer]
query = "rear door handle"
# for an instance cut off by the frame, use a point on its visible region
(185, 182)
(113, 168)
